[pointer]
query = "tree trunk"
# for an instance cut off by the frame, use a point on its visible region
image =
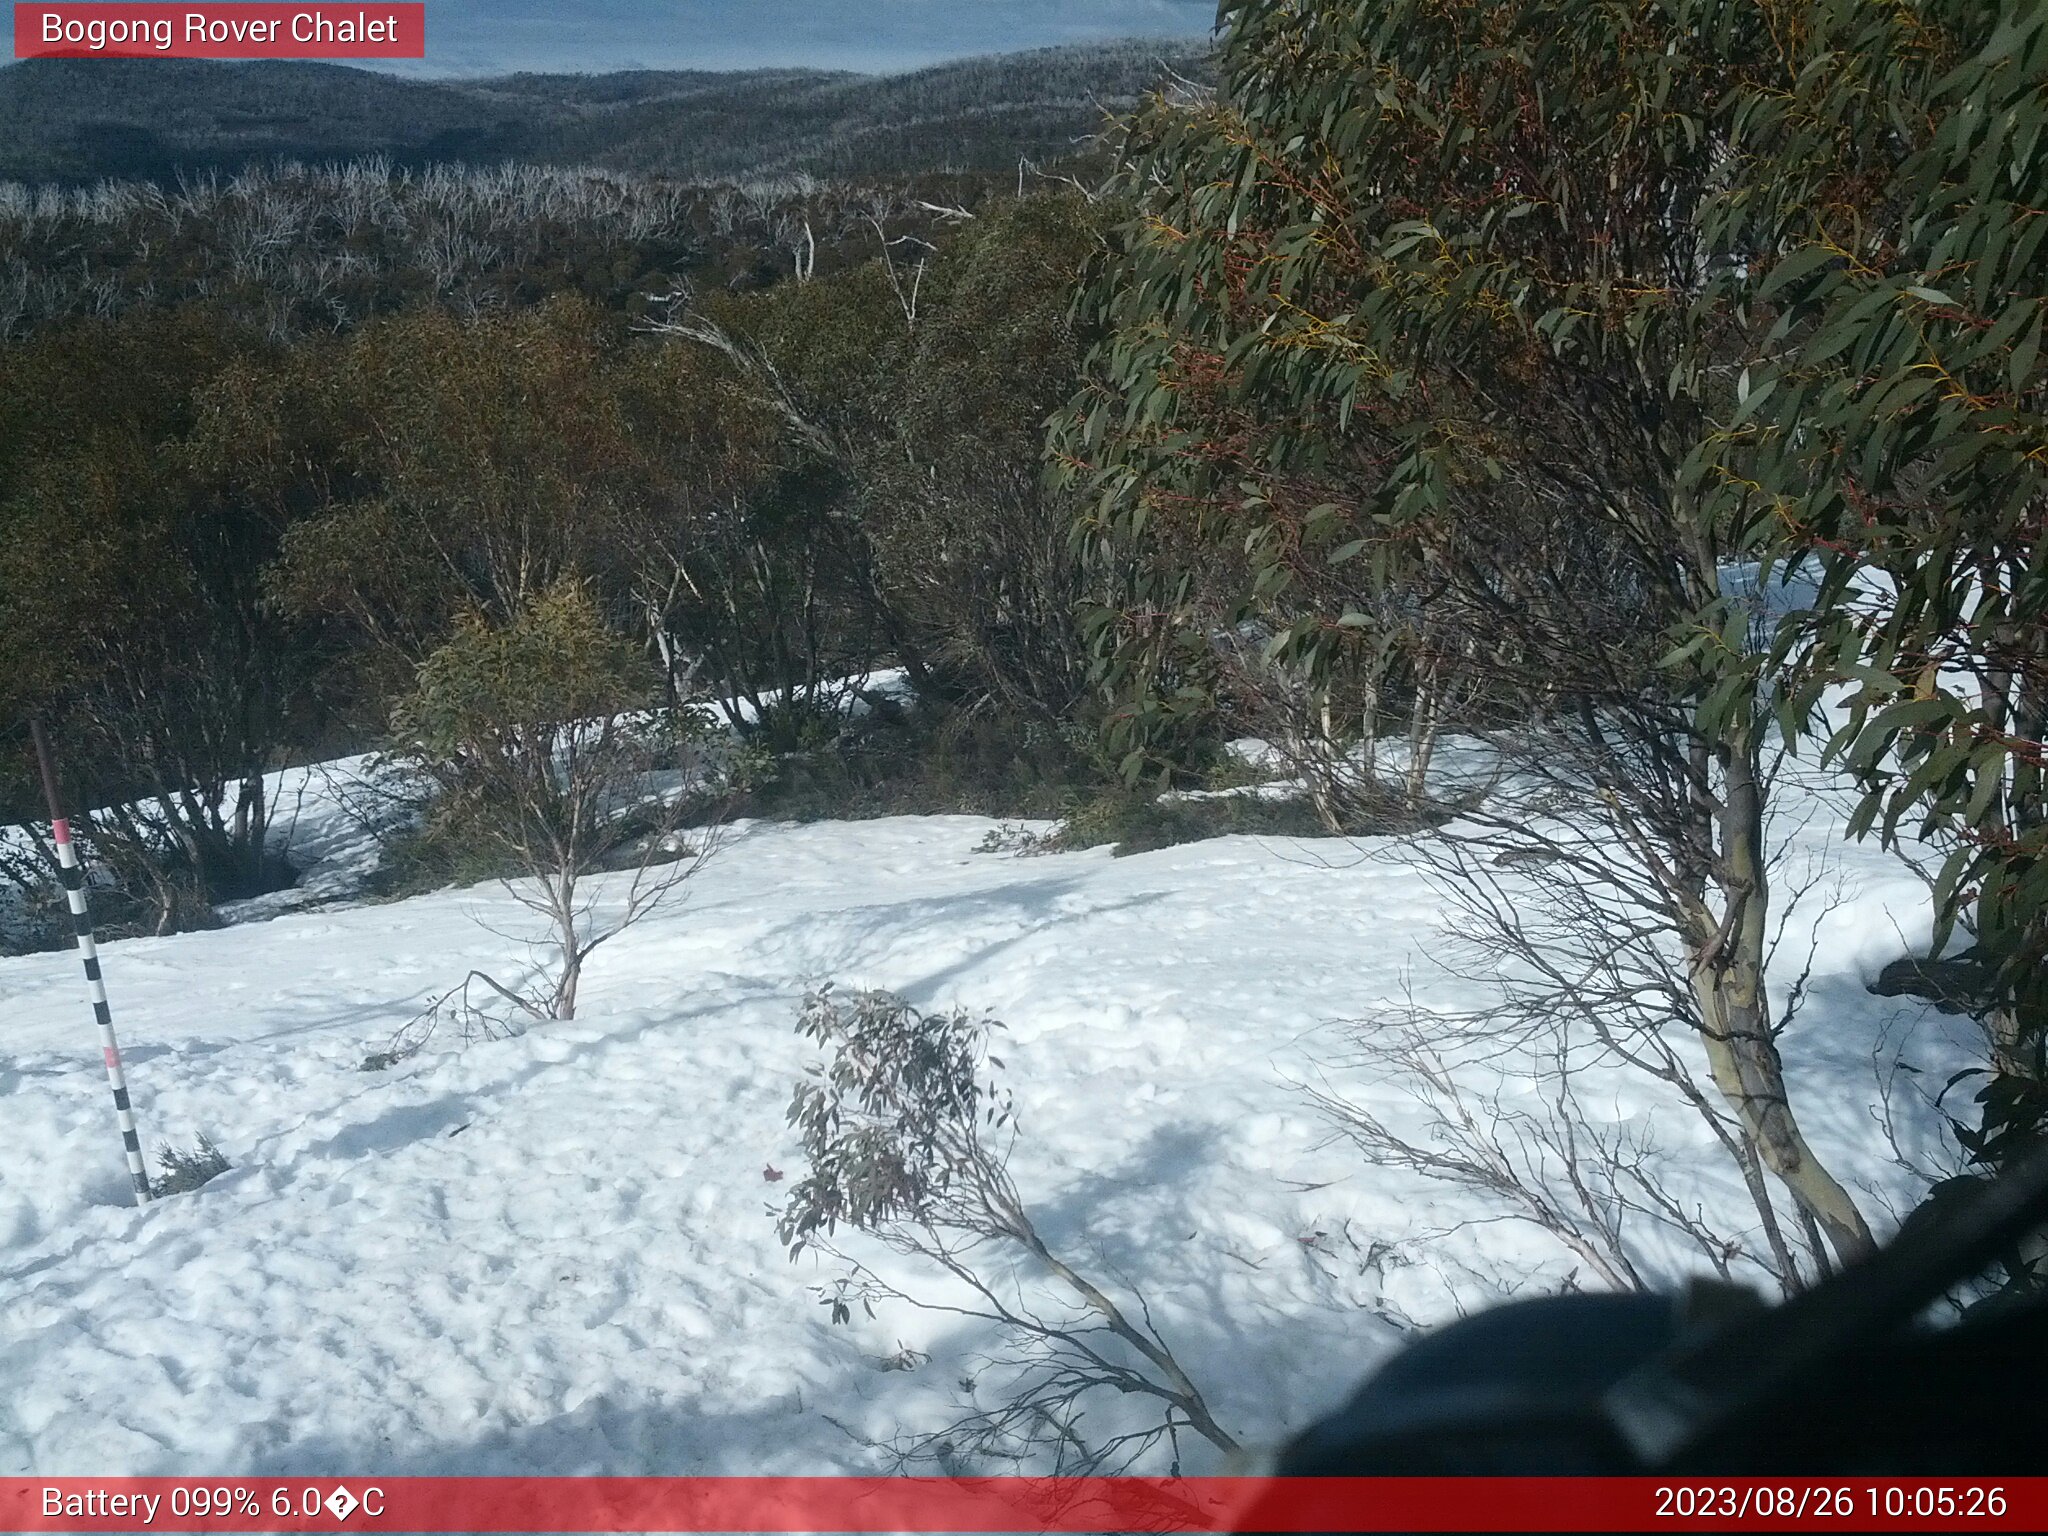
(1727, 964)
(565, 992)
(1369, 716)
(564, 1007)
(1423, 728)
(1312, 746)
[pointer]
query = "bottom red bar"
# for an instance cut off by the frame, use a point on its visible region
(973, 1505)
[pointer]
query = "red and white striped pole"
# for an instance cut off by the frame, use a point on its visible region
(72, 873)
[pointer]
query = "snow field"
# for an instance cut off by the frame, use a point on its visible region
(555, 1253)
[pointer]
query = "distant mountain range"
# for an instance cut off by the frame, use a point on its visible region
(81, 120)
(480, 38)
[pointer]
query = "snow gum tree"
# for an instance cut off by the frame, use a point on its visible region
(1900, 435)
(535, 735)
(1419, 329)
(914, 389)
(134, 618)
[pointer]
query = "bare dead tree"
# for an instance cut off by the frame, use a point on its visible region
(908, 290)
(685, 323)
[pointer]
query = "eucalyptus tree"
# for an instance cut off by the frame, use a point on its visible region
(1900, 437)
(1427, 335)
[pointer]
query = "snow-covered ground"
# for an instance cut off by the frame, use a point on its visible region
(554, 1253)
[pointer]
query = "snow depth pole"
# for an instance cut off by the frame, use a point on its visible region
(73, 875)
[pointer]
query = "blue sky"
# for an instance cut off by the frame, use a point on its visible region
(473, 37)
(493, 36)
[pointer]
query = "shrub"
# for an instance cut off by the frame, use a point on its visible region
(898, 763)
(907, 1135)
(1137, 822)
(448, 846)
(185, 1169)
(537, 742)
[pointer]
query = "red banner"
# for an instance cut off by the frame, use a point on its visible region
(216, 31)
(973, 1505)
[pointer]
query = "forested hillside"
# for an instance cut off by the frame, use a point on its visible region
(80, 120)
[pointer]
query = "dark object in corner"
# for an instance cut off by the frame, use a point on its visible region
(1844, 1379)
